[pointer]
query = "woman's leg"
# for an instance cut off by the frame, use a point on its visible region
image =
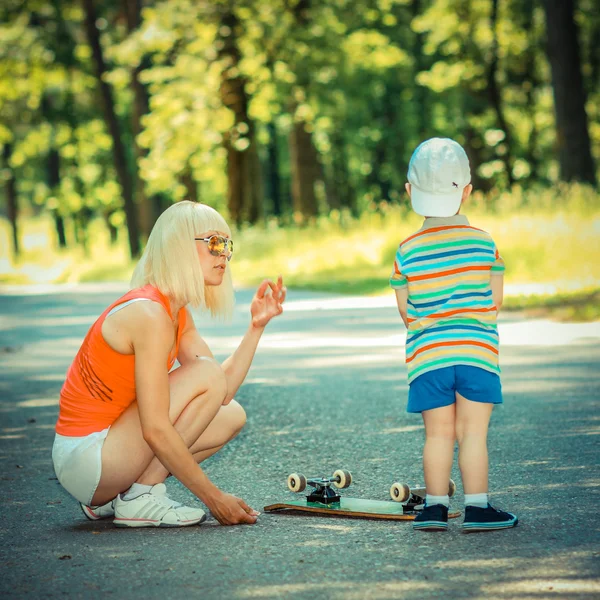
(472, 420)
(197, 391)
(438, 453)
(228, 422)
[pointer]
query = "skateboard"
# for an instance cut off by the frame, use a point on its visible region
(325, 500)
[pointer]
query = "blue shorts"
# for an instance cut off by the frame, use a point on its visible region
(438, 388)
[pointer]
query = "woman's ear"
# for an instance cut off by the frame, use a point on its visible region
(407, 188)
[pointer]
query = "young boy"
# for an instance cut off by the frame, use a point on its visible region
(448, 279)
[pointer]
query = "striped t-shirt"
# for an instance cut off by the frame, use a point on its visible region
(447, 266)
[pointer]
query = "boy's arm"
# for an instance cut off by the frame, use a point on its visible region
(497, 279)
(399, 283)
(497, 283)
(402, 300)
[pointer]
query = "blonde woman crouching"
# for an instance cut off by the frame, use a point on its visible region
(126, 421)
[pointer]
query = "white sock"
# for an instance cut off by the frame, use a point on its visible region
(431, 500)
(480, 500)
(137, 489)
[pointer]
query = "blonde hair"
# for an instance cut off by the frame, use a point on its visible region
(170, 261)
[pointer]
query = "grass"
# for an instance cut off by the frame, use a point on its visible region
(549, 236)
(581, 306)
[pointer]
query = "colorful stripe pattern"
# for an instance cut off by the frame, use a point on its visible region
(447, 267)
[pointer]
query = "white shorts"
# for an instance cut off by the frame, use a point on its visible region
(78, 463)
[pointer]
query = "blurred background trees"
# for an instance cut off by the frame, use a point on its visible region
(283, 109)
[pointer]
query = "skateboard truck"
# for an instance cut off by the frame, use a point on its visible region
(410, 506)
(323, 492)
(414, 497)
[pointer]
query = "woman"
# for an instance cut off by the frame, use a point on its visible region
(126, 420)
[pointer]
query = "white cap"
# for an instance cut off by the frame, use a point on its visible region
(438, 172)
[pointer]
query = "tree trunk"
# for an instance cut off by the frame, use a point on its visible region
(12, 206)
(496, 97)
(64, 50)
(113, 232)
(190, 184)
(53, 171)
(147, 206)
(594, 58)
(421, 92)
(53, 177)
(141, 107)
(53, 184)
(306, 171)
(384, 115)
(474, 149)
(341, 175)
(119, 156)
(573, 140)
(82, 220)
(530, 84)
(59, 225)
(244, 177)
(273, 162)
(376, 177)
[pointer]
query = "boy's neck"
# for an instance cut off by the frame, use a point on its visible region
(457, 219)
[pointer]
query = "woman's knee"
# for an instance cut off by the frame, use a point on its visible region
(236, 417)
(210, 373)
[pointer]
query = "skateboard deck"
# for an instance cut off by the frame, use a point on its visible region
(352, 507)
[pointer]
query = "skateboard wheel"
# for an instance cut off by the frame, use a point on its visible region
(296, 482)
(342, 479)
(400, 492)
(451, 488)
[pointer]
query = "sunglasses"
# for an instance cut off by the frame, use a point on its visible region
(218, 245)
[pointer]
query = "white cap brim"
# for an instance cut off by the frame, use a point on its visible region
(427, 204)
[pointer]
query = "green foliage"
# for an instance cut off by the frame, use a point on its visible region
(369, 80)
(547, 237)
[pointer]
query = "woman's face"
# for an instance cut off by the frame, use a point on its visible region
(213, 267)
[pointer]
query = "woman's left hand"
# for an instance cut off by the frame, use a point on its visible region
(267, 302)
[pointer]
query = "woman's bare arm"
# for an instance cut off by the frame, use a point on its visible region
(264, 307)
(153, 337)
(192, 347)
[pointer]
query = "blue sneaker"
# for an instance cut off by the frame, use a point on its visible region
(487, 519)
(432, 518)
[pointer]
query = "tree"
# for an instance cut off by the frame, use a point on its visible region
(112, 123)
(243, 165)
(495, 94)
(572, 135)
(149, 206)
(11, 196)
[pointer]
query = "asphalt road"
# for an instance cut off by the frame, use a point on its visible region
(327, 390)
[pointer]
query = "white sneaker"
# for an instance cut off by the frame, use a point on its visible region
(155, 509)
(93, 513)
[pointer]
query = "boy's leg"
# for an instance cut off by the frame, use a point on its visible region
(472, 421)
(432, 394)
(438, 453)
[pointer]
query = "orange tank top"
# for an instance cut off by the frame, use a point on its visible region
(100, 382)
